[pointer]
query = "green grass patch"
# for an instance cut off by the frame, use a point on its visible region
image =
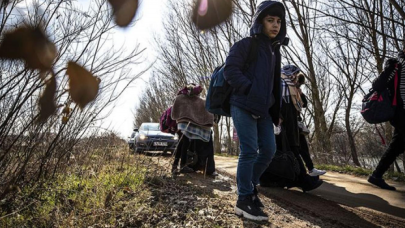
(80, 199)
(359, 171)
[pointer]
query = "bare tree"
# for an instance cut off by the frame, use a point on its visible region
(347, 58)
(39, 150)
(374, 28)
(398, 8)
(305, 52)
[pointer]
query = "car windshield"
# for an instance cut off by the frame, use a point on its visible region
(150, 127)
(133, 134)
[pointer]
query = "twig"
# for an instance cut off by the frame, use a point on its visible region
(17, 211)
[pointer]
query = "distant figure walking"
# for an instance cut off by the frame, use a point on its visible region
(255, 102)
(397, 145)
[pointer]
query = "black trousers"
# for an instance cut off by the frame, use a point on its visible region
(181, 152)
(304, 152)
(396, 147)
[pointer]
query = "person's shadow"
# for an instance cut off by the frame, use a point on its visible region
(322, 203)
(341, 195)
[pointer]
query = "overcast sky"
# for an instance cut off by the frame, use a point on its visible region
(149, 22)
(150, 16)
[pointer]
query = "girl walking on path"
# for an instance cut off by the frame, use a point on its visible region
(255, 102)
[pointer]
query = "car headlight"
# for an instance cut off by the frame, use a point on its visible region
(176, 137)
(142, 137)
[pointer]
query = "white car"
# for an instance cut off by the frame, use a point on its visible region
(150, 138)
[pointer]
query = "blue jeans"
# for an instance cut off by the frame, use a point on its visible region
(257, 148)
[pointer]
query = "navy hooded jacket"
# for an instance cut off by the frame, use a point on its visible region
(257, 89)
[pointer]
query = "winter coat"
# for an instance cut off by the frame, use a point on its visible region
(290, 121)
(257, 89)
(386, 80)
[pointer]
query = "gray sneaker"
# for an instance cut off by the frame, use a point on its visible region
(316, 172)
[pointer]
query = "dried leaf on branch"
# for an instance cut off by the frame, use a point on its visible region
(83, 86)
(31, 45)
(47, 105)
(124, 11)
(210, 13)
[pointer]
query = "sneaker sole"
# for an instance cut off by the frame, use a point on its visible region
(316, 174)
(244, 214)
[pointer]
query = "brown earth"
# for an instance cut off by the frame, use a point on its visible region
(342, 201)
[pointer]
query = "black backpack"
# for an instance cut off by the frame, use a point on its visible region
(377, 107)
(219, 91)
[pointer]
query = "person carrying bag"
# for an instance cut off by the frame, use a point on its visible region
(392, 79)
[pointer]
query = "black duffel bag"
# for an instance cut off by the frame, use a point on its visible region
(284, 164)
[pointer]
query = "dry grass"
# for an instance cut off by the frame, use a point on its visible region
(125, 190)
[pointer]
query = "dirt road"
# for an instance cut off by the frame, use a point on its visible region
(343, 199)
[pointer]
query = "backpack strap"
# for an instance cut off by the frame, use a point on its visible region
(394, 101)
(253, 50)
(379, 133)
(252, 57)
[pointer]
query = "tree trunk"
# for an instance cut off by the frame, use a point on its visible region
(350, 137)
(217, 142)
(398, 8)
(229, 138)
(349, 131)
(322, 143)
(322, 135)
(397, 166)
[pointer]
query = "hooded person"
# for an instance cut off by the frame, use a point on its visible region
(397, 145)
(255, 101)
(292, 104)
